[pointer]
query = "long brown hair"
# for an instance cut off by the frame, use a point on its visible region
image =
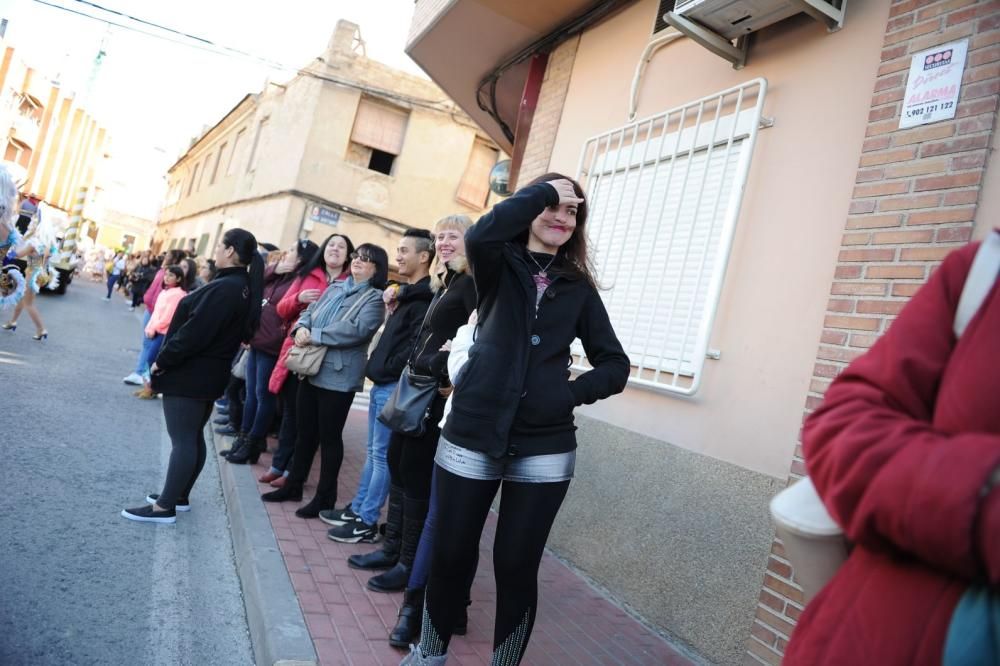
(576, 257)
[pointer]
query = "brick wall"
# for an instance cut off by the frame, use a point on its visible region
(548, 113)
(914, 202)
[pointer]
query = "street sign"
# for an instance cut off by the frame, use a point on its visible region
(324, 215)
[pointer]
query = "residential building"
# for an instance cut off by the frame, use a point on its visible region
(51, 143)
(759, 215)
(348, 145)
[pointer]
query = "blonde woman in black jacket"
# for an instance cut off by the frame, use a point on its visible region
(512, 412)
(193, 365)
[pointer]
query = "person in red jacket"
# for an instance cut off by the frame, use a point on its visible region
(905, 452)
(261, 404)
(327, 264)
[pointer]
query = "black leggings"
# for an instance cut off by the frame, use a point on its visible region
(186, 419)
(527, 511)
(321, 415)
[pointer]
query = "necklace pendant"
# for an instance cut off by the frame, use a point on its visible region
(542, 274)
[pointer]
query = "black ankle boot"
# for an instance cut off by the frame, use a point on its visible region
(395, 579)
(249, 452)
(462, 624)
(407, 629)
(237, 443)
(388, 555)
(290, 492)
(317, 504)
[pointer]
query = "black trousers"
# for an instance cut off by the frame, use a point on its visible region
(236, 392)
(321, 416)
(527, 511)
(289, 426)
(411, 459)
(186, 419)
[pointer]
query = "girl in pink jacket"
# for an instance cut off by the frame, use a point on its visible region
(174, 283)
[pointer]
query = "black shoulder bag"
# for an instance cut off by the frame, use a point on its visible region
(409, 406)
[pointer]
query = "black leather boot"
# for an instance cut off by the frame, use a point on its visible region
(249, 452)
(388, 555)
(237, 443)
(462, 624)
(396, 578)
(290, 492)
(407, 629)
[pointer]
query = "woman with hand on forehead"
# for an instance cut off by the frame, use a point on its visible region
(511, 422)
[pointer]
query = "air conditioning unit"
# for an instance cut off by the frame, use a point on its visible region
(735, 18)
(716, 23)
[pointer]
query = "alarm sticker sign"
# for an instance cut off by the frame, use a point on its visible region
(933, 85)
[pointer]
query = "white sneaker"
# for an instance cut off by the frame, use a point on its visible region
(135, 379)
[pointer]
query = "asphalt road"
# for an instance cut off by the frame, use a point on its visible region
(78, 583)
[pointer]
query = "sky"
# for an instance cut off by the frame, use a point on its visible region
(153, 95)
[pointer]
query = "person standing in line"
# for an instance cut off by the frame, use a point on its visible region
(138, 376)
(411, 458)
(904, 451)
(327, 264)
(260, 405)
(407, 305)
(410, 614)
(141, 277)
(176, 285)
(511, 421)
(193, 365)
(344, 320)
(115, 270)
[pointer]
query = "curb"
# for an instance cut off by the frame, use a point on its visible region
(278, 629)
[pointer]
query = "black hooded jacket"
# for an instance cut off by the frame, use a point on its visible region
(388, 359)
(207, 329)
(516, 396)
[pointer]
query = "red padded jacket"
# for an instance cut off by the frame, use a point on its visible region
(901, 451)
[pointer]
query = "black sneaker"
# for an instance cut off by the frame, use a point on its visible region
(227, 430)
(182, 504)
(338, 517)
(146, 514)
(356, 532)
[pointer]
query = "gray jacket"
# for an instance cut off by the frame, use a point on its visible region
(346, 333)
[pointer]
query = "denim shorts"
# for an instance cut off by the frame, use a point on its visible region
(548, 468)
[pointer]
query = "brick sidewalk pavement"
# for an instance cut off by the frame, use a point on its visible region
(350, 625)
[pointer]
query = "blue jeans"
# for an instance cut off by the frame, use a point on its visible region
(260, 405)
(374, 486)
(142, 364)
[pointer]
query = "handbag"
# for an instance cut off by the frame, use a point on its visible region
(408, 408)
(306, 360)
(814, 542)
(240, 367)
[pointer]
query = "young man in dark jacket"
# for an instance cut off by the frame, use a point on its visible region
(406, 304)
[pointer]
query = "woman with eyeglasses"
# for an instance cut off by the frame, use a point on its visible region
(193, 366)
(344, 320)
(329, 263)
(261, 404)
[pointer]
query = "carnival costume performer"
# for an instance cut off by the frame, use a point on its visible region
(12, 283)
(38, 244)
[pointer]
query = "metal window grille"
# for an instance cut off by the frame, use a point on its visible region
(664, 195)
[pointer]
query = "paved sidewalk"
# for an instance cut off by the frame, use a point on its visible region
(350, 625)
